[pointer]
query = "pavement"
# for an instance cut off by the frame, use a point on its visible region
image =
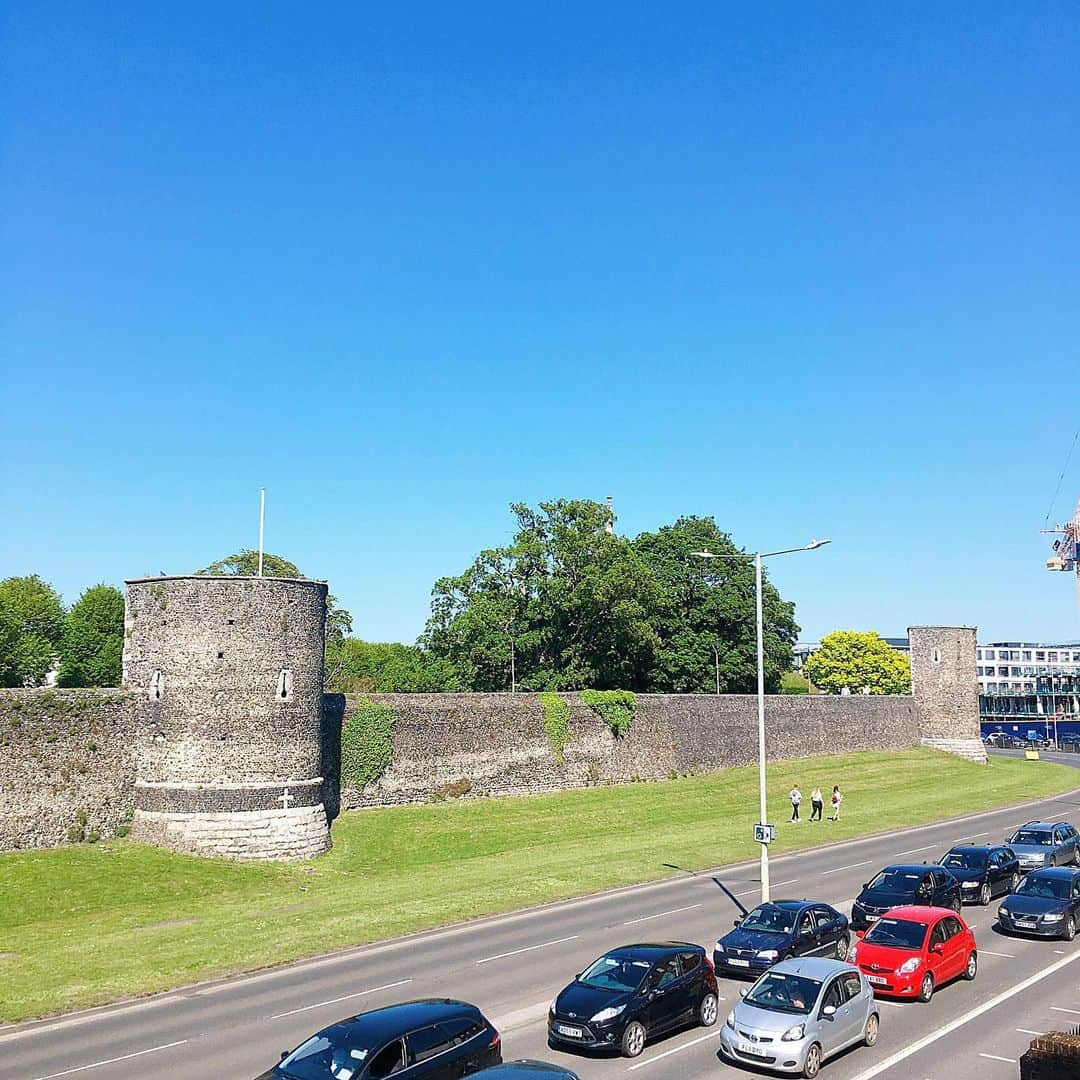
(513, 965)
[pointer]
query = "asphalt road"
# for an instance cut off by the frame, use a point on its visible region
(512, 966)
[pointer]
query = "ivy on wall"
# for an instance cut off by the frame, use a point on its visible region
(615, 707)
(556, 722)
(367, 745)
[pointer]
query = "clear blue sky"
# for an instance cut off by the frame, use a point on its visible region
(810, 269)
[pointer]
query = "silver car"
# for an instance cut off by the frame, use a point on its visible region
(799, 1013)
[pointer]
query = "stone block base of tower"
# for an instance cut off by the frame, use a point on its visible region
(970, 749)
(299, 832)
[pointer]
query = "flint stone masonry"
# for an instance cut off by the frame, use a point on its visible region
(227, 673)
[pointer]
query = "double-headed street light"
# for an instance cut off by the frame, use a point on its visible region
(757, 557)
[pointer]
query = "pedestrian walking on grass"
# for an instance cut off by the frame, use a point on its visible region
(817, 804)
(796, 797)
(837, 799)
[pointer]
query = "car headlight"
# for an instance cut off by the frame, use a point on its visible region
(1003, 911)
(793, 1034)
(1038, 856)
(767, 954)
(719, 947)
(730, 1021)
(908, 966)
(607, 1014)
(551, 1007)
(851, 950)
(1052, 918)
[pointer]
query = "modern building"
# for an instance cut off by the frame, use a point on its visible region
(1027, 685)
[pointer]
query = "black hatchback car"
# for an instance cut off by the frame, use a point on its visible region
(983, 870)
(527, 1069)
(776, 931)
(1047, 904)
(433, 1039)
(633, 993)
(904, 885)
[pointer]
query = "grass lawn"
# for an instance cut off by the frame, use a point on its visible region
(89, 924)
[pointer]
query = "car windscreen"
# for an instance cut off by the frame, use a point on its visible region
(330, 1055)
(901, 881)
(965, 860)
(780, 992)
(769, 917)
(1047, 888)
(1037, 837)
(896, 933)
(616, 971)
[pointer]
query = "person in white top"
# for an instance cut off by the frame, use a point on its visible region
(796, 797)
(837, 799)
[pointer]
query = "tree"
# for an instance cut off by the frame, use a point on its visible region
(568, 600)
(705, 617)
(91, 650)
(31, 626)
(354, 666)
(854, 660)
(246, 564)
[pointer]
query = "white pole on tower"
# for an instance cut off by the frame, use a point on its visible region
(262, 514)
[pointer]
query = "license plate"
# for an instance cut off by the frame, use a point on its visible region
(752, 1049)
(739, 963)
(872, 918)
(573, 1032)
(1028, 923)
(876, 980)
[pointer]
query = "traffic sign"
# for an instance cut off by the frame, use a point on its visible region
(764, 834)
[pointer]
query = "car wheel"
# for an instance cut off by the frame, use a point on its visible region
(984, 894)
(1069, 930)
(812, 1064)
(972, 968)
(956, 905)
(633, 1039)
(873, 1028)
(707, 1010)
(926, 988)
(843, 942)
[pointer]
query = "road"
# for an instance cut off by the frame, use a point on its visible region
(512, 966)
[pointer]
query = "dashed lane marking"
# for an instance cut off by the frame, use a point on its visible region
(334, 1001)
(1058, 1008)
(1007, 955)
(850, 866)
(661, 914)
(528, 948)
(522, 1017)
(111, 1061)
(998, 1057)
(673, 1050)
(1028, 1031)
(912, 851)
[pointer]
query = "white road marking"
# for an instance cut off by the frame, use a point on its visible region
(1058, 1008)
(786, 881)
(960, 1021)
(528, 948)
(891, 1004)
(911, 851)
(1007, 955)
(1028, 1031)
(971, 836)
(674, 1050)
(110, 1061)
(850, 866)
(660, 914)
(995, 1057)
(334, 1001)
(520, 1017)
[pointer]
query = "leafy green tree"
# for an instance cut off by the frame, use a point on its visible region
(31, 626)
(246, 564)
(368, 667)
(567, 599)
(854, 660)
(91, 650)
(704, 616)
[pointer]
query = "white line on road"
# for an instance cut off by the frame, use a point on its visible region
(972, 836)
(912, 851)
(110, 1061)
(334, 1001)
(1058, 1008)
(522, 1017)
(850, 866)
(528, 948)
(996, 1057)
(660, 914)
(673, 1050)
(960, 1021)
(1028, 1031)
(1007, 955)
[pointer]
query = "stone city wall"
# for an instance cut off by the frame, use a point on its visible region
(496, 744)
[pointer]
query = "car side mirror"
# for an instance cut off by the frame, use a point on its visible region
(737, 922)
(866, 884)
(828, 1012)
(937, 947)
(742, 991)
(284, 1055)
(860, 934)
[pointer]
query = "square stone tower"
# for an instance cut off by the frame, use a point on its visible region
(945, 689)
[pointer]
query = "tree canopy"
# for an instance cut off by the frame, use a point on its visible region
(355, 667)
(92, 648)
(31, 626)
(853, 660)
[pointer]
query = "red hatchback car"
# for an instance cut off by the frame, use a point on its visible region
(910, 951)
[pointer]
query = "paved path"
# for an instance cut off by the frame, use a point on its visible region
(512, 966)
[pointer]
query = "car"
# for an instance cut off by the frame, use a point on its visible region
(1044, 843)
(910, 951)
(799, 1013)
(527, 1069)
(778, 930)
(1047, 904)
(633, 993)
(433, 1039)
(906, 884)
(983, 870)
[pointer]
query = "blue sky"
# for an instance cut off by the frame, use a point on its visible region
(809, 269)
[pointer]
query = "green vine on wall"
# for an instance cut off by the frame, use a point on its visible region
(556, 722)
(367, 744)
(615, 707)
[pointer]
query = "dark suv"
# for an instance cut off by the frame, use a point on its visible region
(775, 931)
(904, 885)
(434, 1039)
(1044, 843)
(633, 993)
(984, 871)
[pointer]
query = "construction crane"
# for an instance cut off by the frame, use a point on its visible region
(1066, 549)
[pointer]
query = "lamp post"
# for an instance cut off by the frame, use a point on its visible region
(758, 557)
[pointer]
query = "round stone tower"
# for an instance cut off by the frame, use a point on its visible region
(229, 677)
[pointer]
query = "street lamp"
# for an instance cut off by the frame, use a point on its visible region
(757, 557)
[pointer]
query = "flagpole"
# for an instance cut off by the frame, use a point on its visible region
(262, 513)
